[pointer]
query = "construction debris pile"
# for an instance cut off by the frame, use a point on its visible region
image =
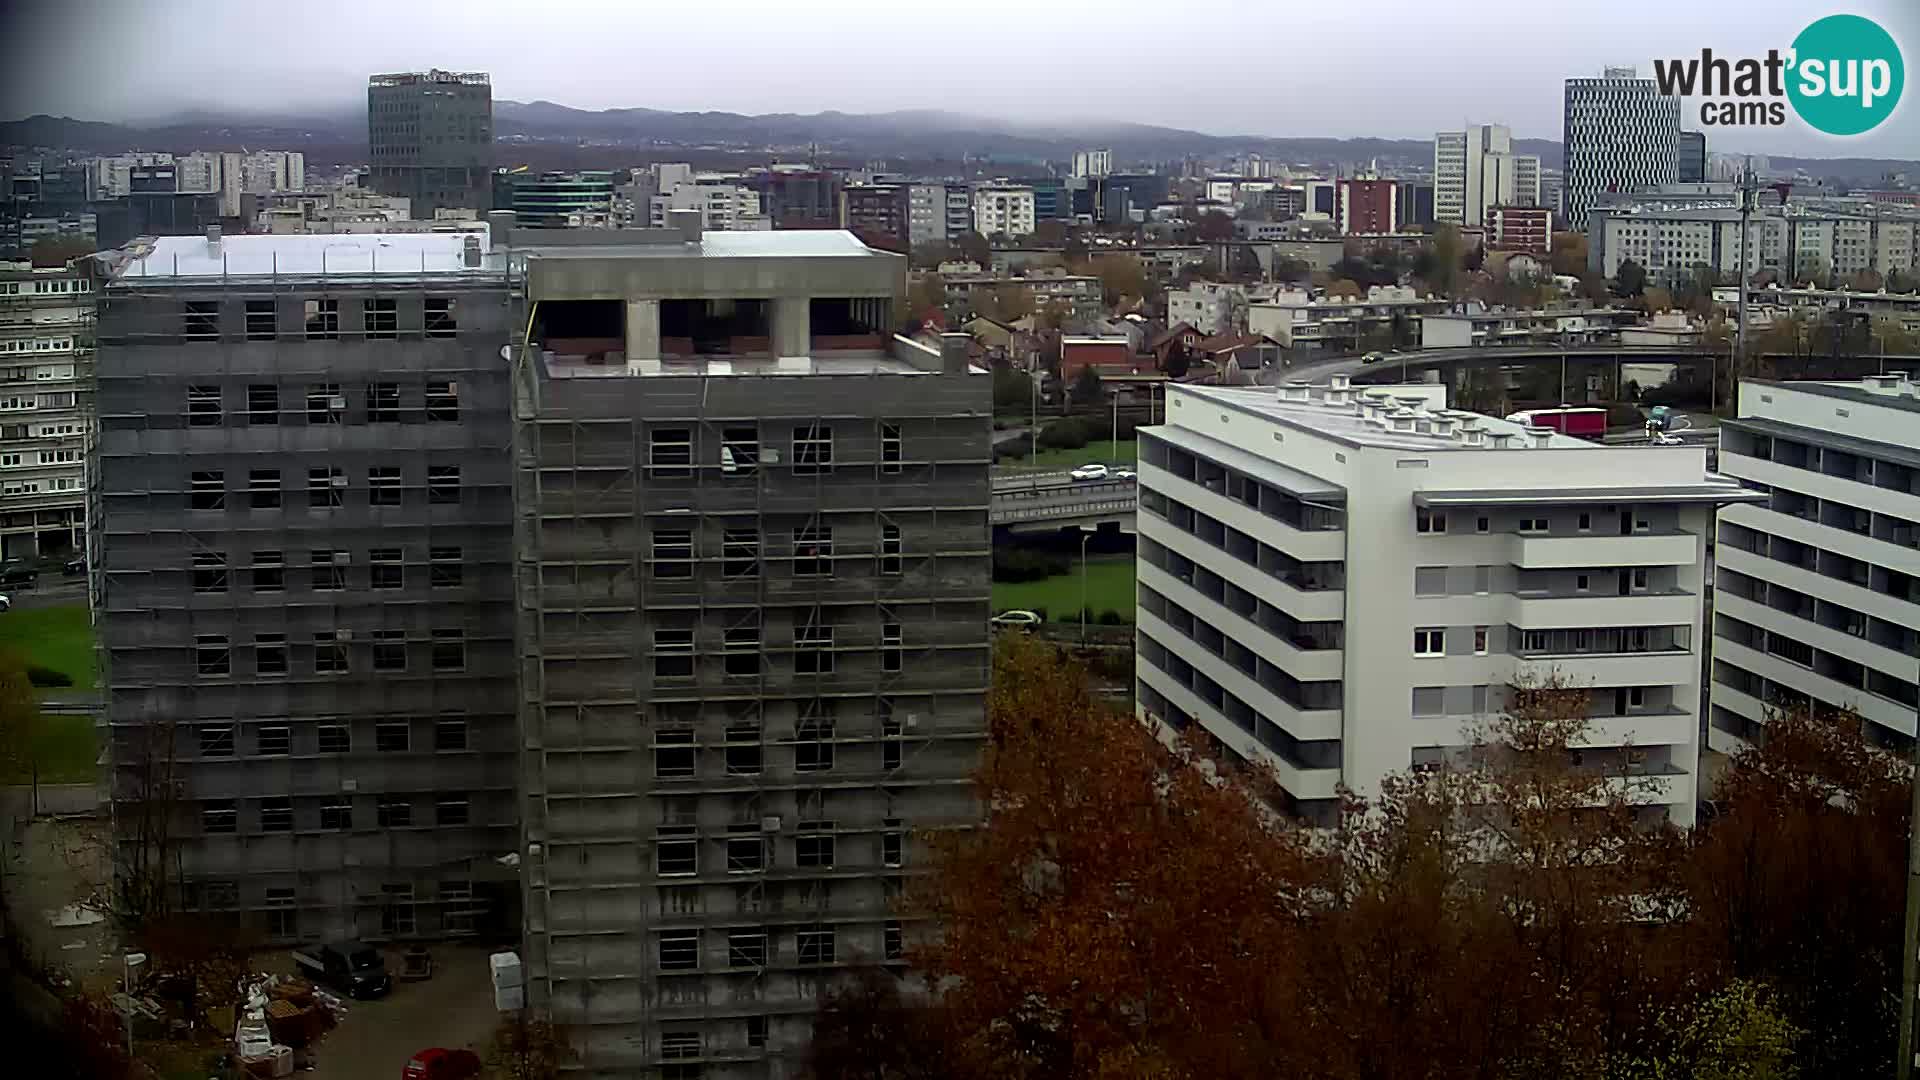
(281, 1019)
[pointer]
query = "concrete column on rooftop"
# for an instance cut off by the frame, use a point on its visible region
(792, 326)
(643, 333)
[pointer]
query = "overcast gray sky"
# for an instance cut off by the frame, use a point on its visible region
(1392, 68)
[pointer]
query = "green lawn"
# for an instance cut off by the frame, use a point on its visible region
(52, 637)
(1109, 587)
(1100, 450)
(65, 749)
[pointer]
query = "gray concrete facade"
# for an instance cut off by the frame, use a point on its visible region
(753, 650)
(301, 539)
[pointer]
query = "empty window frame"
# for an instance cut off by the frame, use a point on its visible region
(443, 484)
(262, 321)
(673, 653)
(381, 315)
(746, 948)
(393, 812)
(386, 569)
(269, 572)
(389, 650)
(891, 640)
(200, 320)
(329, 569)
(335, 738)
(893, 942)
(216, 740)
(812, 449)
(329, 654)
(680, 950)
(676, 856)
(893, 843)
(442, 317)
(276, 814)
(219, 816)
(891, 458)
(443, 401)
(263, 404)
(326, 487)
(273, 740)
(444, 567)
(204, 408)
(211, 655)
(450, 734)
(396, 911)
(679, 1045)
(383, 485)
(672, 553)
(207, 491)
(670, 452)
(209, 572)
(747, 854)
(452, 809)
(450, 649)
(326, 404)
(813, 551)
(393, 736)
(813, 645)
(813, 848)
(739, 451)
(813, 739)
(263, 489)
(383, 403)
(270, 654)
(890, 548)
(322, 319)
(740, 553)
(815, 945)
(674, 755)
(741, 653)
(743, 750)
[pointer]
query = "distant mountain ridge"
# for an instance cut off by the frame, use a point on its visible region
(569, 136)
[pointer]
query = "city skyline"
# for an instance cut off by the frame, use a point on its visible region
(1054, 70)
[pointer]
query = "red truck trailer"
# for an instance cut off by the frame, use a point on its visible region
(1581, 423)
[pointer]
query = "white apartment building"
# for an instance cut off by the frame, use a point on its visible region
(1093, 163)
(1003, 208)
(1342, 582)
(262, 172)
(1477, 168)
(1208, 306)
(1621, 134)
(46, 360)
(1817, 589)
(725, 204)
(1670, 239)
(1299, 320)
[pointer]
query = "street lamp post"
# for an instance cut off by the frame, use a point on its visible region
(1033, 428)
(1086, 534)
(1116, 424)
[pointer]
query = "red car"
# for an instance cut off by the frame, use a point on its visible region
(440, 1063)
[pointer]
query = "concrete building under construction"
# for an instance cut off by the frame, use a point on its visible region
(681, 501)
(301, 543)
(752, 590)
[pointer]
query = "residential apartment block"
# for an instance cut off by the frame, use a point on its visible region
(1817, 592)
(1670, 238)
(1338, 324)
(301, 530)
(1003, 209)
(46, 366)
(1341, 583)
(752, 593)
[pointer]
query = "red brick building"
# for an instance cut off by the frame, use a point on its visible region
(1520, 228)
(1106, 356)
(1367, 207)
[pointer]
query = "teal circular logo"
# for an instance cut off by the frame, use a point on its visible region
(1846, 76)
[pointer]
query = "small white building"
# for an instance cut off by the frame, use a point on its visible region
(1208, 306)
(1341, 583)
(1003, 209)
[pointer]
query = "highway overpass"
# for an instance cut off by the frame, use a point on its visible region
(1042, 502)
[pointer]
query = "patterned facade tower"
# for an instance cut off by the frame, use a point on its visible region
(1621, 134)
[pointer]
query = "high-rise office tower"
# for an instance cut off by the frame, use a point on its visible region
(1692, 166)
(301, 534)
(753, 585)
(431, 138)
(1477, 168)
(1621, 134)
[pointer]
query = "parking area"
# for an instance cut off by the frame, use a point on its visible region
(453, 1009)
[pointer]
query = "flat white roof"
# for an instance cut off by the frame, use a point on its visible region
(784, 242)
(302, 255)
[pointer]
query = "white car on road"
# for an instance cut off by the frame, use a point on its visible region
(1015, 620)
(1122, 473)
(1089, 472)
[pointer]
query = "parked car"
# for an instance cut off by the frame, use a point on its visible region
(19, 575)
(1015, 620)
(346, 965)
(1093, 471)
(440, 1063)
(1122, 473)
(6, 602)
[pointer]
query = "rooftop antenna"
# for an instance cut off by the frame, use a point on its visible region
(1749, 187)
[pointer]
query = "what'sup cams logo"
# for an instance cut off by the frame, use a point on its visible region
(1842, 76)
